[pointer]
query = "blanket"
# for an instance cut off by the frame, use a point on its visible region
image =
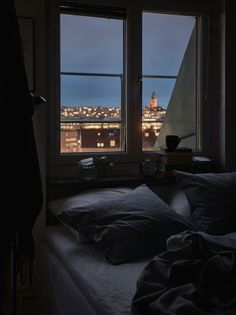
(196, 275)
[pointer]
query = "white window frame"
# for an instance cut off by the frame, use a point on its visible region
(134, 11)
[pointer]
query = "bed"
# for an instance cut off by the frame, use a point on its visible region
(80, 280)
(78, 276)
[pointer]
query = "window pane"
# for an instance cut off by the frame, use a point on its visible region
(91, 44)
(96, 91)
(92, 84)
(156, 96)
(90, 137)
(163, 89)
(165, 39)
(169, 79)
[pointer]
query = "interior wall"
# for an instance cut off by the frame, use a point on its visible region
(221, 106)
(36, 10)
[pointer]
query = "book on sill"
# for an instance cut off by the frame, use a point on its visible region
(164, 168)
(203, 160)
(171, 172)
(181, 158)
(181, 149)
(204, 164)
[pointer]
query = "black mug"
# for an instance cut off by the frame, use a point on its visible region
(172, 141)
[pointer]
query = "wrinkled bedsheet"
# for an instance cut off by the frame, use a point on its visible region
(196, 275)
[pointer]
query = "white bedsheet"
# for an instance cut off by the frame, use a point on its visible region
(79, 279)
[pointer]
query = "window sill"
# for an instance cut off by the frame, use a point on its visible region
(107, 181)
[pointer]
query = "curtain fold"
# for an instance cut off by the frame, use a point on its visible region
(22, 188)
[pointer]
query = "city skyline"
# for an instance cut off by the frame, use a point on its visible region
(153, 103)
(100, 128)
(104, 112)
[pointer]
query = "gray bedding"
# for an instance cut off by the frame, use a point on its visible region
(76, 279)
(196, 275)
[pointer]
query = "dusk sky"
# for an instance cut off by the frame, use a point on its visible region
(94, 45)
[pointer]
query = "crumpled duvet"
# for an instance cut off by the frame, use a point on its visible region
(196, 275)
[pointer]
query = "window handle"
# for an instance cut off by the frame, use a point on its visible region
(140, 79)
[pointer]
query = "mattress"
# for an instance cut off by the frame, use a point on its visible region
(76, 279)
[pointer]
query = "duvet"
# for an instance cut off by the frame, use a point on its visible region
(196, 275)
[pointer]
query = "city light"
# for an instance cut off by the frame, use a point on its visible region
(99, 129)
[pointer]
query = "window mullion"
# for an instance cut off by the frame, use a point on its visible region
(134, 110)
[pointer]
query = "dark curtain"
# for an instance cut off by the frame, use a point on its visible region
(22, 195)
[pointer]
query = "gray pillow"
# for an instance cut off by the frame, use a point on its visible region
(84, 198)
(132, 226)
(212, 198)
(174, 196)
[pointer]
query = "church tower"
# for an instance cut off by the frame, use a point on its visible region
(153, 101)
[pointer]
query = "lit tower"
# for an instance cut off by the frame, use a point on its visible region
(153, 101)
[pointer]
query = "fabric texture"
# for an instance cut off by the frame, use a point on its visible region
(174, 196)
(212, 200)
(22, 189)
(81, 279)
(87, 197)
(132, 226)
(25, 193)
(83, 199)
(195, 275)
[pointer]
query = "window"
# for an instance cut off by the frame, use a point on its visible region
(127, 78)
(169, 103)
(92, 82)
